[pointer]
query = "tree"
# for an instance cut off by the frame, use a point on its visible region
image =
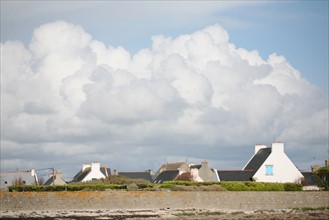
(322, 177)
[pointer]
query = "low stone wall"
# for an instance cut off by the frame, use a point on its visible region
(112, 200)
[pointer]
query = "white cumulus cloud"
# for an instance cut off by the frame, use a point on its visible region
(68, 98)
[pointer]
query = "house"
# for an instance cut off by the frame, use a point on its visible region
(146, 175)
(92, 171)
(18, 178)
(167, 175)
(55, 179)
(268, 164)
(181, 167)
(271, 164)
(234, 175)
(309, 181)
(202, 173)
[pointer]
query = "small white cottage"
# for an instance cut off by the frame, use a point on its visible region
(92, 171)
(271, 164)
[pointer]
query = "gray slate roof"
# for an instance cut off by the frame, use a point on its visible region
(309, 179)
(258, 159)
(195, 166)
(235, 175)
(81, 175)
(49, 181)
(166, 176)
(106, 171)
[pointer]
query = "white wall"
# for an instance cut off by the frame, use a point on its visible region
(283, 169)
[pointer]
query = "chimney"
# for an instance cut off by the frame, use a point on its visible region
(204, 164)
(258, 147)
(150, 171)
(315, 168)
(58, 174)
(278, 147)
(95, 166)
(32, 172)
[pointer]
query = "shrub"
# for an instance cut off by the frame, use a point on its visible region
(293, 187)
(213, 187)
(322, 177)
(184, 188)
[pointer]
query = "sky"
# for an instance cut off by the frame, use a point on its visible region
(135, 84)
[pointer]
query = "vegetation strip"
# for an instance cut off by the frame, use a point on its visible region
(170, 185)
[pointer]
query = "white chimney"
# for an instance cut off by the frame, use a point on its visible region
(258, 147)
(277, 147)
(95, 166)
(204, 164)
(58, 174)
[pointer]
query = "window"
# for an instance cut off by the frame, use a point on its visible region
(269, 169)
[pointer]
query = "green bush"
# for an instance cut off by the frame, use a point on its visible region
(293, 187)
(322, 177)
(238, 186)
(70, 187)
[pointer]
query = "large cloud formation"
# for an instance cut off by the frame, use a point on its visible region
(68, 99)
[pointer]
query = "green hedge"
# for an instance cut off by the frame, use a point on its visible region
(80, 187)
(230, 186)
(239, 186)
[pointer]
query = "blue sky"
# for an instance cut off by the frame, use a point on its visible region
(146, 82)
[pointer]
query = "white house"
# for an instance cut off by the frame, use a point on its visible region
(92, 171)
(18, 178)
(271, 164)
(202, 173)
(55, 179)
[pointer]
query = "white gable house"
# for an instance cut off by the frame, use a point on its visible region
(92, 171)
(271, 164)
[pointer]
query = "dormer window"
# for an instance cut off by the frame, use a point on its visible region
(268, 169)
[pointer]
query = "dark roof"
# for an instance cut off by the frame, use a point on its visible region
(258, 159)
(106, 171)
(81, 175)
(309, 179)
(235, 175)
(195, 166)
(137, 175)
(49, 181)
(166, 176)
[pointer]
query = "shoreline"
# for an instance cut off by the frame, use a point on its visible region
(166, 214)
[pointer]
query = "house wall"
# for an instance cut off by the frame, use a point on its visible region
(195, 175)
(24, 177)
(283, 169)
(205, 172)
(95, 173)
